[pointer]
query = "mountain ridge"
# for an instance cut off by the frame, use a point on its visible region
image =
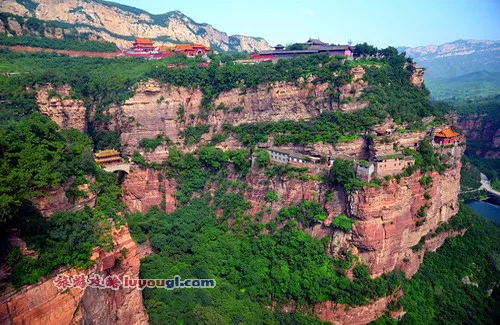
(119, 23)
(456, 58)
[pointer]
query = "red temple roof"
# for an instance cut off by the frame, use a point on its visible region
(145, 41)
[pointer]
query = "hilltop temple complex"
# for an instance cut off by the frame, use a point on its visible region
(311, 47)
(144, 47)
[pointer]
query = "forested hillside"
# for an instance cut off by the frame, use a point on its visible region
(272, 268)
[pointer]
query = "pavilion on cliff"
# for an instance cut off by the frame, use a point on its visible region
(446, 136)
(108, 157)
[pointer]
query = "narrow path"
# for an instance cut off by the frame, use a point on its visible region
(485, 183)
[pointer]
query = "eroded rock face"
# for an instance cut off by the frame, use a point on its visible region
(55, 200)
(292, 191)
(43, 303)
(484, 129)
(117, 24)
(170, 110)
(417, 77)
(395, 143)
(56, 103)
(388, 224)
(341, 314)
(144, 188)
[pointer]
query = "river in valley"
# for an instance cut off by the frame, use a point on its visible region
(487, 210)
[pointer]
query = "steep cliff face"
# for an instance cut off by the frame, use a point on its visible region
(340, 314)
(56, 199)
(119, 24)
(393, 218)
(57, 103)
(170, 110)
(21, 26)
(165, 109)
(292, 191)
(43, 303)
(484, 130)
(382, 145)
(144, 188)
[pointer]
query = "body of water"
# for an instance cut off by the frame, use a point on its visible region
(487, 210)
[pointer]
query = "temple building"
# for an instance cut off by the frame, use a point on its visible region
(108, 157)
(391, 164)
(143, 45)
(191, 50)
(312, 46)
(365, 170)
(446, 136)
(288, 156)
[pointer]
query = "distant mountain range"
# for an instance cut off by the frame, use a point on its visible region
(479, 84)
(459, 70)
(456, 58)
(121, 24)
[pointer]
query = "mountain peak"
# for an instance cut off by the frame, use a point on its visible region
(120, 23)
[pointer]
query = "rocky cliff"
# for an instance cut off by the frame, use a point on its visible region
(341, 314)
(144, 188)
(23, 26)
(120, 24)
(170, 110)
(58, 104)
(482, 129)
(57, 199)
(43, 303)
(392, 219)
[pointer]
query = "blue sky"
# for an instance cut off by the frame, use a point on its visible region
(382, 22)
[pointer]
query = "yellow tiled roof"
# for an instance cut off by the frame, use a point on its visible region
(107, 153)
(447, 133)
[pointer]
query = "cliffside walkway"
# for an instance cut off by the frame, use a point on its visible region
(121, 167)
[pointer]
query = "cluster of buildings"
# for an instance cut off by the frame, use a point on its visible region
(378, 166)
(144, 47)
(381, 166)
(311, 47)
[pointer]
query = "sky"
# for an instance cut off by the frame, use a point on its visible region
(378, 22)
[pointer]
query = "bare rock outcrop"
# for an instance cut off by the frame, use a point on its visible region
(117, 24)
(340, 314)
(43, 303)
(291, 191)
(56, 199)
(482, 128)
(56, 103)
(393, 218)
(169, 110)
(396, 142)
(417, 77)
(144, 188)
